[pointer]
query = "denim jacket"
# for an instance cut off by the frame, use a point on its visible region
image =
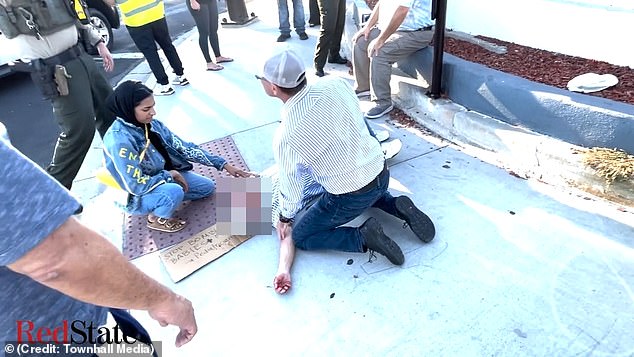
(139, 168)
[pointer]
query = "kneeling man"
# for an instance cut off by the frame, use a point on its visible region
(331, 169)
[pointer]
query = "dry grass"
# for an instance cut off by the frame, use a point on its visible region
(610, 164)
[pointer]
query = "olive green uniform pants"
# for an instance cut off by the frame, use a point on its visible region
(78, 114)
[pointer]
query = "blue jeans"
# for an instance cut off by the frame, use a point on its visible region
(131, 327)
(317, 226)
(299, 20)
(164, 199)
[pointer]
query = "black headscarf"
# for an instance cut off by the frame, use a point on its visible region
(122, 102)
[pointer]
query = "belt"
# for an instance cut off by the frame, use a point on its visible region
(64, 57)
(426, 28)
(372, 183)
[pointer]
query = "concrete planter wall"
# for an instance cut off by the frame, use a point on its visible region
(576, 118)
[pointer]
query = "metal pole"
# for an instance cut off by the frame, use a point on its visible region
(238, 15)
(439, 13)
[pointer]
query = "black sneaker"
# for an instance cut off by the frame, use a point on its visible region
(319, 73)
(417, 221)
(303, 36)
(377, 241)
(283, 37)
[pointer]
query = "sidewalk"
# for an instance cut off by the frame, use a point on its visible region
(518, 267)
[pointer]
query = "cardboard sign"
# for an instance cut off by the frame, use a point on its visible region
(194, 253)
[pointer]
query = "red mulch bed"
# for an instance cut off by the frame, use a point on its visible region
(545, 67)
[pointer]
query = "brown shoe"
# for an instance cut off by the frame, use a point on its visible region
(168, 225)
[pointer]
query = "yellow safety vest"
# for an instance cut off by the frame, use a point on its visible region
(79, 9)
(141, 12)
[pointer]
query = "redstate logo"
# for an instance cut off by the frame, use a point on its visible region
(77, 331)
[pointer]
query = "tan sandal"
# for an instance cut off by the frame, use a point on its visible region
(214, 67)
(168, 225)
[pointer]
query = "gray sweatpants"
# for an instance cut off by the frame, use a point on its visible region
(374, 73)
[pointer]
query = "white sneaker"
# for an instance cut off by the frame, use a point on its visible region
(381, 135)
(391, 148)
(163, 89)
(362, 94)
(180, 80)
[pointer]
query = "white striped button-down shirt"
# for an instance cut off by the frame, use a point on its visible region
(323, 137)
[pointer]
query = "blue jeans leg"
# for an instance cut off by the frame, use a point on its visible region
(199, 186)
(369, 128)
(282, 11)
(318, 225)
(163, 200)
(299, 19)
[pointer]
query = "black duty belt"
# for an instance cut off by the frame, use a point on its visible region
(426, 28)
(65, 56)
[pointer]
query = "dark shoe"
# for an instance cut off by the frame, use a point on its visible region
(303, 36)
(417, 221)
(337, 60)
(79, 210)
(377, 241)
(320, 73)
(283, 37)
(379, 111)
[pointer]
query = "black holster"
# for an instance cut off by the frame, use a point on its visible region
(43, 75)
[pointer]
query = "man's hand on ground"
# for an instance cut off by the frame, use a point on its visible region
(282, 282)
(177, 311)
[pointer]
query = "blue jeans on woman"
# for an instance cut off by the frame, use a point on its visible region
(299, 20)
(317, 226)
(165, 199)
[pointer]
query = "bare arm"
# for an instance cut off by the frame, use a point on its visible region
(395, 22)
(81, 263)
(365, 31)
(282, 281)
(104, 52)
(374, 16)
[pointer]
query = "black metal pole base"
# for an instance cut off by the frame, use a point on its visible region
(244, 22)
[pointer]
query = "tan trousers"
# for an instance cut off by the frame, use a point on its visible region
(374, 73)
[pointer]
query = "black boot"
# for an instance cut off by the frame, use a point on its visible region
(417, 221)
(337, 59)
(377, 241)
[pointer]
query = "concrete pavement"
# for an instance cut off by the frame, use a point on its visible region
(518, 267)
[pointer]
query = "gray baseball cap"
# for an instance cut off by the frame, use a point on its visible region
(284, 69)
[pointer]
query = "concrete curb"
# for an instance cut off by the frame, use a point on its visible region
(520, 151)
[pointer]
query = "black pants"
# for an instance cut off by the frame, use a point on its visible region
(333, 16)
(78, 114)
(207, 24)
(145, 38)
(315, 16)
(131, 327)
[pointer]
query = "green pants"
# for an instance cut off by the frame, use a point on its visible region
(78, 114)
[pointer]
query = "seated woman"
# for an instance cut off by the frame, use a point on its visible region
(153, 164)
